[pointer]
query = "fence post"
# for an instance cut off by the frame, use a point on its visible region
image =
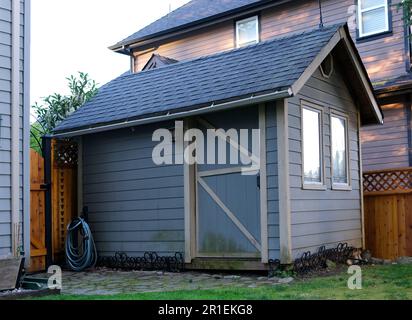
(47, 154)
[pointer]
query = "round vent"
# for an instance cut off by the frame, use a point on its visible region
(327, 66)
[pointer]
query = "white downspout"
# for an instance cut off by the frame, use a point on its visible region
(15, 128)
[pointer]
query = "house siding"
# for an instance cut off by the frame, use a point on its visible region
(386, 146)
(324, 217)
(5, 122)
(272, 182)
(134, 205)
(384, 58)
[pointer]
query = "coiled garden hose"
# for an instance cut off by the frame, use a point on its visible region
(81, 253)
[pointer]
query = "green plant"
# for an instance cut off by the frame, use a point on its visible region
(55, 108)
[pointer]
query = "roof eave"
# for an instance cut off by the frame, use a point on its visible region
(254, 99)
(118, 47)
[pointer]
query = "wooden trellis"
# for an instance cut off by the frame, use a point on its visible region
(64, 192)
(397, 180)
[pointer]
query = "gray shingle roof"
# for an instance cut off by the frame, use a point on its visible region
(267, 66)
(193, 11)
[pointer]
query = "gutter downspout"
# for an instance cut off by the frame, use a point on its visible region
(213, 107)
(15, 128)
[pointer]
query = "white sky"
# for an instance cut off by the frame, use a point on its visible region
(73, 35)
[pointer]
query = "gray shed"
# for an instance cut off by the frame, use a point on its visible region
(305, 96)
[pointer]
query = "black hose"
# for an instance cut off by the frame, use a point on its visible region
(80, 255)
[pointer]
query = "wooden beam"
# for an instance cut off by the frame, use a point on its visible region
(285, 232)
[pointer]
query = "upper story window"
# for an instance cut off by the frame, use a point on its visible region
(373, 17)
(247, 31)
(312, 146)
(340, 155)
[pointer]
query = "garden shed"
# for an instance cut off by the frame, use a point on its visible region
(299, 101)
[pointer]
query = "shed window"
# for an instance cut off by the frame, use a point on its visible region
(312, 145)
(247, 31)
(373, 17)
(339, 143)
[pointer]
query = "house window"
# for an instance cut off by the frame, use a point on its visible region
(312, 146)
(247, 32)
(339, 146)
(373, 17)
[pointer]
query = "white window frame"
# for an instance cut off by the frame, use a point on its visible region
(312, 184)
(361, 11)
(337, 185)
(254, 18)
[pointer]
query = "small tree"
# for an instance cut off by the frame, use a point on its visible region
(56, 107)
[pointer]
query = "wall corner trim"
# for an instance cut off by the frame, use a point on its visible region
(285, 232)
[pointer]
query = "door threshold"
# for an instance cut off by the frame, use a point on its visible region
(238, 264)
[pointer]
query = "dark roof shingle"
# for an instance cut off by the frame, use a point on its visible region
(265, 67)
(192, 11)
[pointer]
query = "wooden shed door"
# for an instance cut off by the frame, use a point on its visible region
(228, 202)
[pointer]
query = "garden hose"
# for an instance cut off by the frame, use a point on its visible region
(81, 254)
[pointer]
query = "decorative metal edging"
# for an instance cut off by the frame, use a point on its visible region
(149, 261)
(311, 262)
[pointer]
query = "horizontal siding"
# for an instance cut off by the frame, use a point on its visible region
(215, 39)
(384, 58)
(386, 146)
(134, 205)
(272, 182)
(329, 216)
(5, 129)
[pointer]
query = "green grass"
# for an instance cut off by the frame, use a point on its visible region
(379, 282)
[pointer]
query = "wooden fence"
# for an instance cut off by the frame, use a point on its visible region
(388, 212)
(38, 249)
(62, 189)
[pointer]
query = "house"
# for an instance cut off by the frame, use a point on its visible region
(204, 27)
(305, 95)
(14, 128)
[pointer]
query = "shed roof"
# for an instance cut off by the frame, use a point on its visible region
(266, 69)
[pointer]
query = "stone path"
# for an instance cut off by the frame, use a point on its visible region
(109, 282)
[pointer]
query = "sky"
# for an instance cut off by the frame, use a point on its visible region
(68, 36)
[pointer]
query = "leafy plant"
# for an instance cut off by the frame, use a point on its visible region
(55, 108)
(406, 6)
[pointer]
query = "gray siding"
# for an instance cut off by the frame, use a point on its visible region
(272, 182)
(134, 205)
(5, 118)
(386, 146)
(324, 217)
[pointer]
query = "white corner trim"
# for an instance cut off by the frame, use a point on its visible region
(362, 201)
(26, 131)
(189, 203)
(263, 186)
(15, 128)
(285, 233)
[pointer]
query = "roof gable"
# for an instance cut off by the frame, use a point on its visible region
(216, 81)
(157, 61)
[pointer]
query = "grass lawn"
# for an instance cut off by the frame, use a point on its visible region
(379, 282)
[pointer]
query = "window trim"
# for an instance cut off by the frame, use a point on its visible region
(242, 20)
(388, 19)
(336, 185)
(308, 185)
